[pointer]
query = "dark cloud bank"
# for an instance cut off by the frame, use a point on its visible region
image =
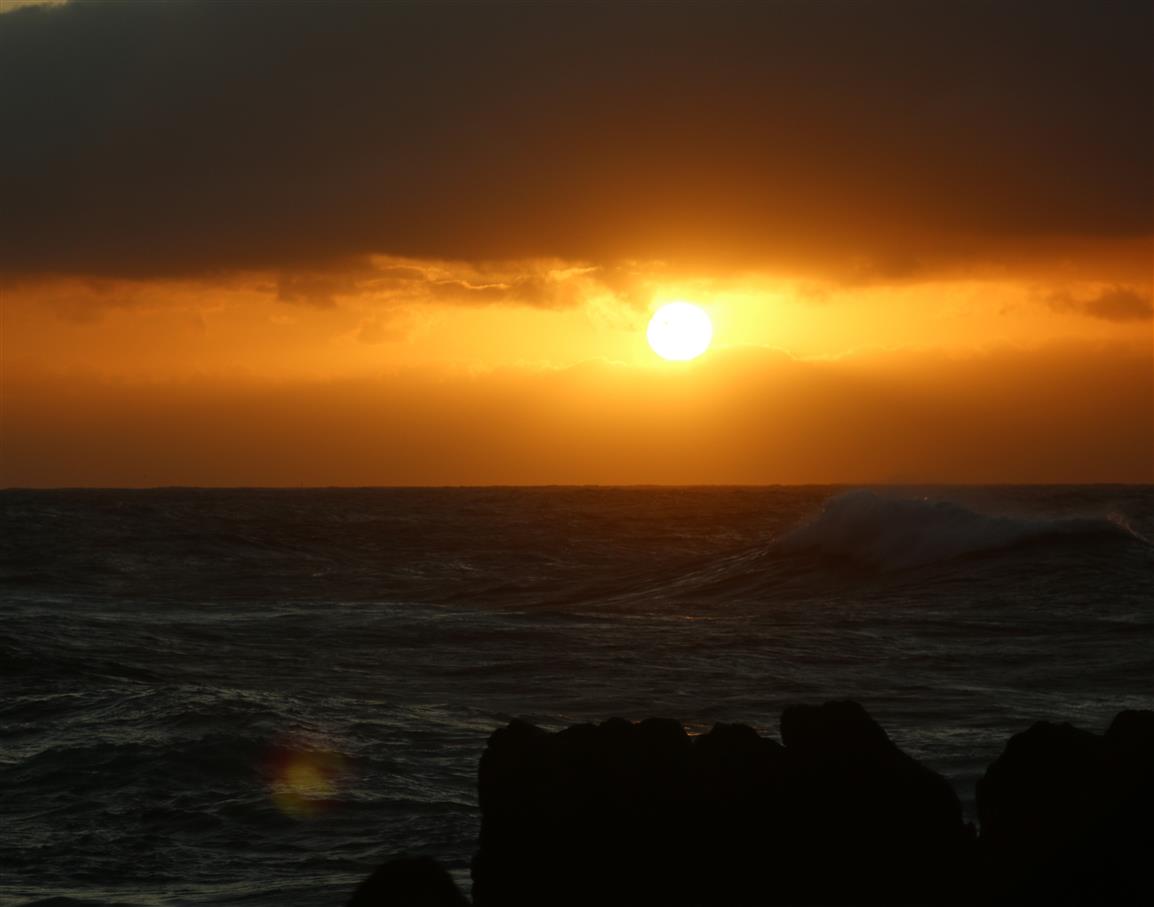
(188, 138)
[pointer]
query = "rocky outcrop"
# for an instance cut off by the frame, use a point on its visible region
(605, 807)
(867, 823)
(408, 882)
(643, 814)
(1067, 816)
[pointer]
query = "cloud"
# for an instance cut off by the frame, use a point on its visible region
(1118, 303)
(859, 141)
(537, 284)
(377, 281)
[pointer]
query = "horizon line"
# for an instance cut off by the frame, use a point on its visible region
(581, 485)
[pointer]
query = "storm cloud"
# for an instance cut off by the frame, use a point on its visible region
(191, 138)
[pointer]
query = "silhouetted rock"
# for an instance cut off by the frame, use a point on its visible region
(1067, 815)
(892, 827)
(735, 792)
(1130, 744)
(642, 814)
(586, 814)
(408, 882)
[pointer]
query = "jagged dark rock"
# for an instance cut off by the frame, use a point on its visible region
(408, 882)
(642, 814)
(1067, 816)
(600, 806)
(891, 826)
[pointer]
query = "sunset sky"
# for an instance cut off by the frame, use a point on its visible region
(419, 243)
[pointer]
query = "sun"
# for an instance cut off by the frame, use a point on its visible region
(679, 331)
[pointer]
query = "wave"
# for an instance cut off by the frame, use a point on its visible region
(885, 532)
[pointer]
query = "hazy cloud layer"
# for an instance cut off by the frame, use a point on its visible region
(864, 140)
(1058, 414)
(1118, 303)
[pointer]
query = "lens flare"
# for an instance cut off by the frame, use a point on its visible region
(303, 782)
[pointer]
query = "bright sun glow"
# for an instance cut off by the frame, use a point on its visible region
(679, 331)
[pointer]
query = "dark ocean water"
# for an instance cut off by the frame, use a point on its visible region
(253, 697)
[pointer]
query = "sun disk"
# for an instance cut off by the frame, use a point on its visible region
(679, 331)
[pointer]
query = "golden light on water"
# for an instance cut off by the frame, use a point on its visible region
(679, 331)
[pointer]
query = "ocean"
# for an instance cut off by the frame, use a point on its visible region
(255, 696)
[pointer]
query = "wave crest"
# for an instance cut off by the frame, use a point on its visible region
(892, 533)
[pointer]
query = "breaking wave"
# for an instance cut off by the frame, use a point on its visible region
(891, 533)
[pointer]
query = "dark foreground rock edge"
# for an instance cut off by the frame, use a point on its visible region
(626, 813)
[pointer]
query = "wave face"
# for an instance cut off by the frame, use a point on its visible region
(252, 697)
(886, 532)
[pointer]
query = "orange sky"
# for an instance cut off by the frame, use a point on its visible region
(419, 245)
